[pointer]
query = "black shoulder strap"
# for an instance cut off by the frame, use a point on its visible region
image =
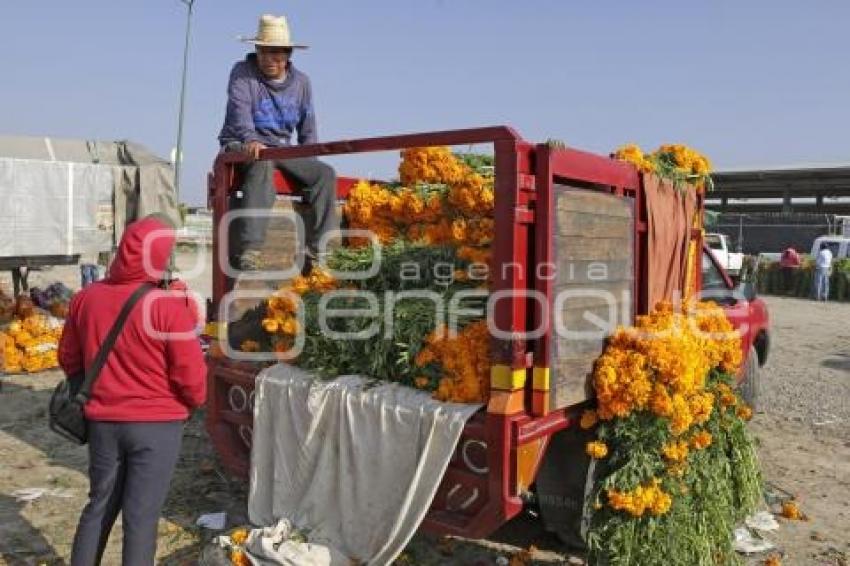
(93, 371)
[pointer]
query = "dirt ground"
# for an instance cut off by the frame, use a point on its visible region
(803, 435)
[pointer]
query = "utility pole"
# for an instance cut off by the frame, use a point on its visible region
(178, 157)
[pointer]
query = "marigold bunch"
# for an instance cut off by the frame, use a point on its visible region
(676, 161)
(644, 498)
(686, 158)
(281, 320)
(443, 202)
(473, 195)
(30, 344)
(430, 165)
(464, 361)
(632, 153)
(662, 362)
(318, 280)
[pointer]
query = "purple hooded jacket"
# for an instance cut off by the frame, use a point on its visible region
(261, 110)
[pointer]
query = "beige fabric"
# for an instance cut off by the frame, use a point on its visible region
(670, 216)
(355, 466)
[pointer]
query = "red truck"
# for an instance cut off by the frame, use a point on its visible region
(553, 206)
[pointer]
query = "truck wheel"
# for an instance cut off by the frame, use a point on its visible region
(562, 485)
(751, 384)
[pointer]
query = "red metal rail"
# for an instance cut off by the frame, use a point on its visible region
(224, 176)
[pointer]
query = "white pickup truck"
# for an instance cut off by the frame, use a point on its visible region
(729, 260)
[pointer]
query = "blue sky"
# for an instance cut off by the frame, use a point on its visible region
(753, 83)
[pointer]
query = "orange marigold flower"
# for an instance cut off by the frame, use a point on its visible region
(239, 536)
(745, 412)
(270, 325)
(596, 449)
(701, 440)
(289, 326)
(791, 511)
(676, 451)
(239, 558)
(300, 285)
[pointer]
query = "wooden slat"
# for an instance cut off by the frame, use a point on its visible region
(596, 203)
(615, 288)
(583, 271)
(581, 224)
(569, 248)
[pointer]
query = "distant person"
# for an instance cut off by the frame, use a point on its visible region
(88, 274)
(268, 100)
(789, 262)
(146, 390)
(823, 269)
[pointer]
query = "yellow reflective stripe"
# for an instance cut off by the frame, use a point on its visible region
(540, 379)
(507, 379)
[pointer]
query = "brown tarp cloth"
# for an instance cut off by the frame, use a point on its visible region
(670, 216)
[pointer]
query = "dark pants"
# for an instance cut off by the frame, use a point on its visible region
(130, 468)
(316, 182)
(88, 274)
(788, 280)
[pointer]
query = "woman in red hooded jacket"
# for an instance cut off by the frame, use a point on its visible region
(153, 378)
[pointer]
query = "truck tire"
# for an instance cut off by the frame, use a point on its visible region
(751, 385)
(562, 486)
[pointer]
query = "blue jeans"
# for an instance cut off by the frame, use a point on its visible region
(821, 284)
(88, 274)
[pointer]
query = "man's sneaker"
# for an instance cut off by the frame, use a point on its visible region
(250, 260)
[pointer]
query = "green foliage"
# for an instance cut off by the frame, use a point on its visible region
(480, 163)
(402, 266)
(721, 485)
(772, 279)
(398, 335)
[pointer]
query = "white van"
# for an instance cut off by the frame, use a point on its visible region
(838, 245)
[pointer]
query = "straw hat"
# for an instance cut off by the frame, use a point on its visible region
(272, 31)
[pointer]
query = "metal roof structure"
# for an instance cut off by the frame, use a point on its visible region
(821, 189)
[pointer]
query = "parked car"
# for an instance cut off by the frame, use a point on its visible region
(838, 245)
(730, 261)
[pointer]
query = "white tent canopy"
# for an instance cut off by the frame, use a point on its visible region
(62, 197)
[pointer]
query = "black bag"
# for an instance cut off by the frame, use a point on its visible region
(70, 396)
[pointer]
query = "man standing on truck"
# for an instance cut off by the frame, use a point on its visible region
(823, 269)
(268, 99)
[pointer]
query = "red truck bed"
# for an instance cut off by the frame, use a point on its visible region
(502, 447)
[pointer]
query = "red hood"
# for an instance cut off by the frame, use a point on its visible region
(143, 253)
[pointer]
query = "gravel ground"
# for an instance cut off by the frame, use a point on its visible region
(803, 437)
(808, 378)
